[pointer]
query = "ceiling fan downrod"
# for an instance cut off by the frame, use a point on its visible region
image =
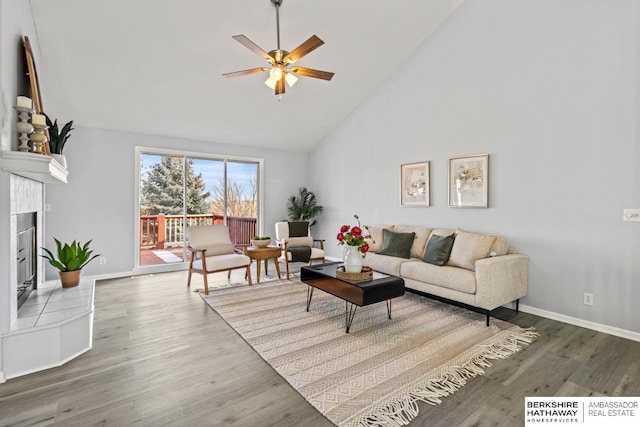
(277, 4)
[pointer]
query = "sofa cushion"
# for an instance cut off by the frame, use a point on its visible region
(454, 278)
(375, 242)
(383, 263)
(396, 244)
(438, 249)
(500, 247)
(420, 240)
(468, 248)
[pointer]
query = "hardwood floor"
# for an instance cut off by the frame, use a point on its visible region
(161, 357)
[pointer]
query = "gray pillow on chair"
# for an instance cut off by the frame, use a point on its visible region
(298, 228)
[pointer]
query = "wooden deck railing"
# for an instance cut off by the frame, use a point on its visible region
(167, 231)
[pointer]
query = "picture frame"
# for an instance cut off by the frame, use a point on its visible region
(414, 184)
(33, 76)
(469, 181)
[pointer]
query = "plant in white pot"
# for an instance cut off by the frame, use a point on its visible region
(71, 258)
(58, 138)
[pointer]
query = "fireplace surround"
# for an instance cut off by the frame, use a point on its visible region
(54, 324)
(26, 250)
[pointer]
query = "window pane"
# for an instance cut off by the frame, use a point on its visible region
(242, 201)
(161, 209)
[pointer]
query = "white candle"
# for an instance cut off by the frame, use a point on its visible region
(24, 101)
(38, 119)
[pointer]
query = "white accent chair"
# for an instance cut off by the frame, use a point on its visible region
(212, 252)
(285, 242)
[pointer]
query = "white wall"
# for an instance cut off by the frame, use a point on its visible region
(550, 90)
(98, 202)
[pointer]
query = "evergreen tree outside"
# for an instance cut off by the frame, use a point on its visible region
(162, 189)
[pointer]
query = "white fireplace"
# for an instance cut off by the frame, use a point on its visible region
(55, 324)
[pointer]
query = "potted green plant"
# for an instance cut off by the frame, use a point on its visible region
(304, 206)
(58, 138)
(260, 241)
(71, 258)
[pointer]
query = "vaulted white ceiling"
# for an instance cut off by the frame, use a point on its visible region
(155, 66)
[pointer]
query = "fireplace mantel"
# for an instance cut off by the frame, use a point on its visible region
(33, 166)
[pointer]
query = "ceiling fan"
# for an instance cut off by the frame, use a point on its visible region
(281, 68)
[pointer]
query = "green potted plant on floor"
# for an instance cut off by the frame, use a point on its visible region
(72, 257)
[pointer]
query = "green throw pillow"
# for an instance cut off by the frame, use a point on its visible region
(438, 249)
(396, 244)
(298, 228)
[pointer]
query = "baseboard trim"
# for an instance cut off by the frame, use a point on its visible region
(611, 330)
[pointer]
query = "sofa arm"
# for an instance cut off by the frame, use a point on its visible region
(501, 279)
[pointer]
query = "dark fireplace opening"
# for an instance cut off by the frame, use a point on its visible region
(27, 252)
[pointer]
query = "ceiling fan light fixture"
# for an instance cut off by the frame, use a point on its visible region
(276, 72)
(270, 82)
(290, 79)
(279, 60)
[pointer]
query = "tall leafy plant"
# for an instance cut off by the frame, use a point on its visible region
(58, 137)
(304, 206)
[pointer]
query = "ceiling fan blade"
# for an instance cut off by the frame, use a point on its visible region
(242, 39)
(280, 86)
(311, 44)
(309, 72)
(245, 72)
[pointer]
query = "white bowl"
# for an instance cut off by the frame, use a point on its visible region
(260, 243)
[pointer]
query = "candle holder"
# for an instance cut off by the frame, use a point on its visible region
(39, 138)
(24, 127)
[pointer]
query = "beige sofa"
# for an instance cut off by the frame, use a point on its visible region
(482, 272)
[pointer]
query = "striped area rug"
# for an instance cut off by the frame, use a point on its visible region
(376, 374)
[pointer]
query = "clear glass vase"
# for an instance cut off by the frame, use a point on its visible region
(353, 260)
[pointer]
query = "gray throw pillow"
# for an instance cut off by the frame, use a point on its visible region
(438, 249)
(396, 244)
(298, 228)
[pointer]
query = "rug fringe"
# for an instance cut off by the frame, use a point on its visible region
(402, 411)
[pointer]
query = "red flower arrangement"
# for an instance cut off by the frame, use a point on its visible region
(353, 236)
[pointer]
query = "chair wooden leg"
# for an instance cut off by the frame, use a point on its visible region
(206, 284)
(189, 278)
(249, 274)
(286, 263)
(229, 275)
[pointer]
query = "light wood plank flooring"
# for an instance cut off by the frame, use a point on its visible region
(162, 357)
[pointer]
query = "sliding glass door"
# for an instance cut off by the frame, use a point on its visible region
(177, 191)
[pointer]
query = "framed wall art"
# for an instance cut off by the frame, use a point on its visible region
(469, 181)
(414, 184)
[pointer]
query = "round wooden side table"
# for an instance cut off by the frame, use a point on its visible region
(264, 253)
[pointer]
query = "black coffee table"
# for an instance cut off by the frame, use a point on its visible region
(382, 288)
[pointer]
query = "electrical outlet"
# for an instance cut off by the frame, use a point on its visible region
(103, 261)
(588, 299)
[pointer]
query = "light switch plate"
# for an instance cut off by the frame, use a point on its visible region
(631, 215)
